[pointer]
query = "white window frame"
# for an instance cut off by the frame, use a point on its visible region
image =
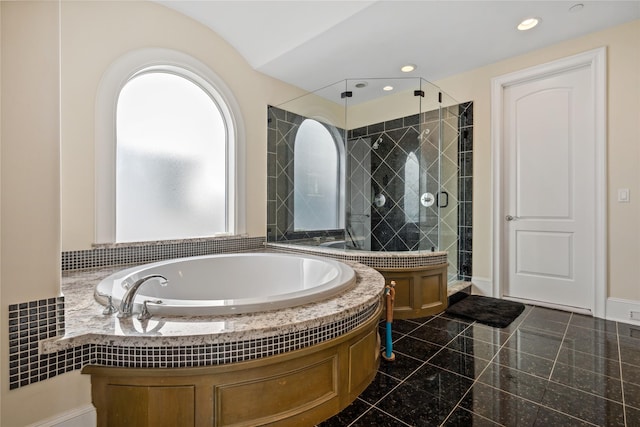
(112, 82)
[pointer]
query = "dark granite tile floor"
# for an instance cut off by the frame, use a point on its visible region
(548, 368)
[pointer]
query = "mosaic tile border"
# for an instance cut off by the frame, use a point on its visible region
(35, 321)
(223, 353)
(379, 260)
(110, 255)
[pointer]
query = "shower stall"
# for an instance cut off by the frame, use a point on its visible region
(372, 165)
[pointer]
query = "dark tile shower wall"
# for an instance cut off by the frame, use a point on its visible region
(272, 133)
(282, 128)
(395, 146)
(465, 190)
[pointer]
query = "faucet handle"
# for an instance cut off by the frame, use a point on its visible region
(110, 308)
(145, 314)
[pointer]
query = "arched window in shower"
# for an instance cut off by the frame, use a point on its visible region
(411, 190)
(316, 197)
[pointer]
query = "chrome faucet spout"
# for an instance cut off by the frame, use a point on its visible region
(126, 306)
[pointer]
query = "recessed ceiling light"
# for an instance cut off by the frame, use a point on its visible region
(408, 68)
(387, 88)
(360, 85)
(528, 24)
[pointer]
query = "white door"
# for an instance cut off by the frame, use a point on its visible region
(549, 184)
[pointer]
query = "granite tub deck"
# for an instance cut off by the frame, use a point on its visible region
(408, 259)
(85, 325)
(421, 276)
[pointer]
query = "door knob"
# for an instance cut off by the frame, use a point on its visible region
(509, 218)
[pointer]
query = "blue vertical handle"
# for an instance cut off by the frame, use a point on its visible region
(389, 343)
(389, 294)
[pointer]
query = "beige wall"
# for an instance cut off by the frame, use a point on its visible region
(94, 34)
(623, 52)
(30, 245)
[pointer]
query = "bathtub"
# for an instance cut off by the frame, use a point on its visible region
(230, 284)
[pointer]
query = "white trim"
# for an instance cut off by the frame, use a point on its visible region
(596, 61)
(114, 78)
(551, 305)
(482, 286)
(618, 309)
(84, 416)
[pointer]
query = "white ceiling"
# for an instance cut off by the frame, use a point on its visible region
(311, 44)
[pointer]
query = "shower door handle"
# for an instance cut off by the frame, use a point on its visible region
(445, 203)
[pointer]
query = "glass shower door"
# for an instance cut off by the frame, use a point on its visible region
(449, 195)
(383, 151)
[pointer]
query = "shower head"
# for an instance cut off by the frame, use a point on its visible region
(423, 134)
(376, 144)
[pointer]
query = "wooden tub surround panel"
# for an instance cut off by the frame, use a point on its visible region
(299, 388)
(420, 291)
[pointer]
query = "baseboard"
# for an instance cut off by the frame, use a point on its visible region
(84, 416)
(482, 286)
(618, 309)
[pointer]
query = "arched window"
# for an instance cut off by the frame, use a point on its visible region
(316, 178)
(171, 145)
(411, 190)
(169, 150)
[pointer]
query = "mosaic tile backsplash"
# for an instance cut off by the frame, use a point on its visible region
(123, 254)
(30, 323)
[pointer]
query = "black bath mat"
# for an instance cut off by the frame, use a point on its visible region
(490, 311)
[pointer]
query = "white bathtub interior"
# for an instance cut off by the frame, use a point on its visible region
(232, 283)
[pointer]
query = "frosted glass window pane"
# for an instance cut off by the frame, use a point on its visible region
(316, 185)
(411, 190)
(171, 160)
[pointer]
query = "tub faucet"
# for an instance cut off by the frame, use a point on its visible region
(126, 306)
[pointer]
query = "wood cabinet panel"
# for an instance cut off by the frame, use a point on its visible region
(360, 371)
(431, 289)
(172, 406)
(420, 291)
(276, 397)
(124, 413)
(404, 292)
(161, 406)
